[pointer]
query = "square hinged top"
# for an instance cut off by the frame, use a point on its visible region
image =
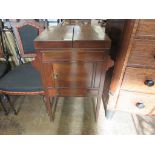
(55, 37)
(90, 37)
(72, 37)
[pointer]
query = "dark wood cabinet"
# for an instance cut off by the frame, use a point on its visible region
(74, 61)
(132, 88)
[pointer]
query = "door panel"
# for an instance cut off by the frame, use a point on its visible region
(73, 74)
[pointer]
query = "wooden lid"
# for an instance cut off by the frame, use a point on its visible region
(90, 37)
(55, 37)
(73, 37)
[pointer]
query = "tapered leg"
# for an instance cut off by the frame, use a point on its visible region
(105, 107)
(44, 99)
(55, 101)
(98, 107)
(110, 114)
(49, 106)
(12, 105)
(2, 104)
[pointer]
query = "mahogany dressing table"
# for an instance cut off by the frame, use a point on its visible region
(73, 62)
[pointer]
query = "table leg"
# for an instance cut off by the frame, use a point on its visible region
(49, 106)
(98, 107)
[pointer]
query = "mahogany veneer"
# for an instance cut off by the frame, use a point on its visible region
(74, 61)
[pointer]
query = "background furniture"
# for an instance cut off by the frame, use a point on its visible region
(132, 88)
(24, 79)
(4, 65)
(25, 32)
(74, 61)
(76, 22)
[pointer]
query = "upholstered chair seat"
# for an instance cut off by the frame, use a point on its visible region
(3, 68)
(24, 78)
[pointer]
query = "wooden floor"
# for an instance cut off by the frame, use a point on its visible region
(73, 116)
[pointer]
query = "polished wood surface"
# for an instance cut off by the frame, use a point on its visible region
(128, 101)
(90, 37)
(76, 75)
(134, 71)
(73, 37)
(74, 61)
(55, 37)
(146, 29)
(142, 54)
(73, 92)
(74, 55)
(122, 58)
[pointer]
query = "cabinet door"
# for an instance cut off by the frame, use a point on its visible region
(73, 74)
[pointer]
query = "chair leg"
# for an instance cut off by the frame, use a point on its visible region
(2, 104)
(12, 105)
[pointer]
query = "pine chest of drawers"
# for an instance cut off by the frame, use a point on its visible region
(74, 60)
(132, 88)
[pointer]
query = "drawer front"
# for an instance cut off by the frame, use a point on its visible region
(73, 92)
(139, 80)
(136, 103)
(146, 28)
(142, 54)
(74, 55)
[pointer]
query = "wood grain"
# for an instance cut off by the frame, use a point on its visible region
(55, 37)
(74, 55)
(73, 37)
(142, 54)
(127, 102)
(73, 92)
(90, 37)
(133, 66)
(73, 74)
(134, 79)
(122, 57)
(74, 61)
(146, 29)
